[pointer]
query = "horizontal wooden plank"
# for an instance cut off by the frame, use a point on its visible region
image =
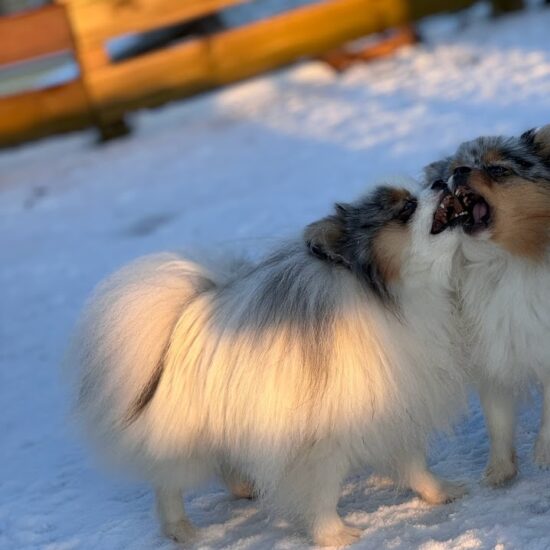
(151, 80)
(229, 56)
(98, 20)
(39, 113)
(34, 33)
(303, 32)
(243, 52)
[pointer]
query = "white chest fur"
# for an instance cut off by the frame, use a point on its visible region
(506, 313)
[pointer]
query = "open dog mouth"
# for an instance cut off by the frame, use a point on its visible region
(450, 211)
(479, 211)
(464, 207)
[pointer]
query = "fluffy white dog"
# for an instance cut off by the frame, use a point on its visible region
(504, 187)
(336, 351)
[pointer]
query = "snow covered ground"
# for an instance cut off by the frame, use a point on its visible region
(234, 170)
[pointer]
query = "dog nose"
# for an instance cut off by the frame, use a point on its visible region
(461, 170)
(460, 177)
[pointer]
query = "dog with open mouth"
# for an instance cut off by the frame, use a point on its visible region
(498, 190)
(338, 350)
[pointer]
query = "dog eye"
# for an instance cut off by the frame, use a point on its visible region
(496, 171)
(438, 185)
(408, 210)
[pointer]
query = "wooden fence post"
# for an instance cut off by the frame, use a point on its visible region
(92, 55)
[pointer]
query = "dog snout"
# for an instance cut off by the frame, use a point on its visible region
(462, 170)
(459, 178)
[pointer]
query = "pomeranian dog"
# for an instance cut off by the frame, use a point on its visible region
(336, 351)
(503, 185)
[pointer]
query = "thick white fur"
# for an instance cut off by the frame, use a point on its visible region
(240, 401)
(505, 305)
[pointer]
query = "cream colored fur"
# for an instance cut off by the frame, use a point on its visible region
(277, 404)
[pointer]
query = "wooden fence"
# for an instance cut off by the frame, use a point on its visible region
(105, 90)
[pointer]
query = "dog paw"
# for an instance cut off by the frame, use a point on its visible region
(542, 453)
(445, 492)
(181, 531)
(342, 536)
(501, 471)
(454, 490)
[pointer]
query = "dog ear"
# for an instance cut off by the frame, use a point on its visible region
(539, 140)
(542, 140)
(325, 237)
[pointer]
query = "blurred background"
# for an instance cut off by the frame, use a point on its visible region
(133, 126)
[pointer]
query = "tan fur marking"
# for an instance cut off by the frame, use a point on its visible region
(400, 195)
(521, 214)
(542, 139)
(389, 246)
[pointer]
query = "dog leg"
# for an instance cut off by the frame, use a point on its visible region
(429, 487)
(330, 530)
(542, 446)
(326, 526)
(311, 489)
(174, 522)
(500, 416)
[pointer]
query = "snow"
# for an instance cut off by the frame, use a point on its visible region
(235, 170)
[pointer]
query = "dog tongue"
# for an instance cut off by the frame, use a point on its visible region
(479, 212)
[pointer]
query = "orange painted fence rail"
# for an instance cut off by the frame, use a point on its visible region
(105, 90)
(38, 113)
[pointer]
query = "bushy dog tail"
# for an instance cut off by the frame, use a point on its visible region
(116, 358)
